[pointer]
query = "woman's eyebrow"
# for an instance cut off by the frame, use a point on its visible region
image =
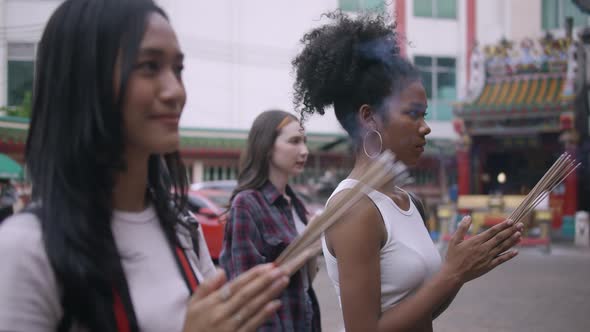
(418, 105)
(153, 51)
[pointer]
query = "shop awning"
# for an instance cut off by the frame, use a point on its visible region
(9, 168)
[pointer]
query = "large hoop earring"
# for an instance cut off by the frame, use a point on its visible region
(365, 143)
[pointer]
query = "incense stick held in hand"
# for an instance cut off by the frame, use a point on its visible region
(558, 172)
(382, 171)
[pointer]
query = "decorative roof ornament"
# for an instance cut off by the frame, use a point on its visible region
(572, 76)
(498, 58)
(477, 79)
(555, 53)
(523, 77)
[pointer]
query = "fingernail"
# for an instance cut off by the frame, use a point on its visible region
(510, 222)
(520, 225)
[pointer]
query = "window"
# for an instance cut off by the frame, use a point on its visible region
(362, 5)
(554, 13)
(214, 173)
(435, 8)
(439, 79)
(21, 67)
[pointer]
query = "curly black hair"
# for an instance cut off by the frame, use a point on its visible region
(348, 63)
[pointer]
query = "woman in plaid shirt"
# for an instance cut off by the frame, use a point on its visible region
(266, 215)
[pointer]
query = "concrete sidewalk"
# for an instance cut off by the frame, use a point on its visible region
(534, 292)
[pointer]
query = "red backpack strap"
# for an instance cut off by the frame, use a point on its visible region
(186, 269)
(121, 318)
(124, 317)
(124, 313)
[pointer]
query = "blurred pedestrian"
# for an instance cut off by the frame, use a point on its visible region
(385, 268)
(108, 245)
(8, 197)
(266, 215)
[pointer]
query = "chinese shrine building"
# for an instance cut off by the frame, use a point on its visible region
(526, 104)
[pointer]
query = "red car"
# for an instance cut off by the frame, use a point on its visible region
(209, 207)
(209, 201)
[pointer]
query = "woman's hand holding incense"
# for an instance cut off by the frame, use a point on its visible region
(474, 257)
(243, 304)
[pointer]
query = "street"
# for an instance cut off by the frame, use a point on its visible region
(533, 292)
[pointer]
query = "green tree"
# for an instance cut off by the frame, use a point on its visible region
(23, 110)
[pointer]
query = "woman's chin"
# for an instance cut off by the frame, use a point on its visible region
(297, 171)
(167, 147)
(410, 162)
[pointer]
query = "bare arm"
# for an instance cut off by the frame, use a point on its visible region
(356, 242)
(444, 306)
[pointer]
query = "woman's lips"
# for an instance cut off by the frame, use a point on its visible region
(167, 119)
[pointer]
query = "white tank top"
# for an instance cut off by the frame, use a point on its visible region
(408, 257)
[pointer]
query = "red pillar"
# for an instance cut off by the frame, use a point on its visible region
(463, 172)
(570, 199)
(400, 20)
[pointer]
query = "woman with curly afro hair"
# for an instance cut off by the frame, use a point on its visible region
(385, 268)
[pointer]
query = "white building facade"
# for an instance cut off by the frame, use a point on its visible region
(238, 53)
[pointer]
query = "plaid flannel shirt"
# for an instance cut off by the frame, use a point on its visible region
(259, 228)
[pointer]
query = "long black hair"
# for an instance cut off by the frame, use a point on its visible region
(347, 63)
(75, 148)
(255, 160)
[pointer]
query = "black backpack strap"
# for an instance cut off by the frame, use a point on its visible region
(418, 203)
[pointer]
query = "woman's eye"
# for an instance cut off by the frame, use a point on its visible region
(417, 114)
(148, 67)
(178, 69)
(298, 140)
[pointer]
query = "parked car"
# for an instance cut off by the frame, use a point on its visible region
(209, 207)
(209, 201)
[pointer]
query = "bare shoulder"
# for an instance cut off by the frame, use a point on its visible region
(360, 226)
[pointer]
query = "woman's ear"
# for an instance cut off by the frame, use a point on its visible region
(367, 118)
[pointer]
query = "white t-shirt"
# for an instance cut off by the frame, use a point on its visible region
(408, 257)
(300, 226)
(29, 292)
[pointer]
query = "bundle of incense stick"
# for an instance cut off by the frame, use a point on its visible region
(382, 171)
(558, 172)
